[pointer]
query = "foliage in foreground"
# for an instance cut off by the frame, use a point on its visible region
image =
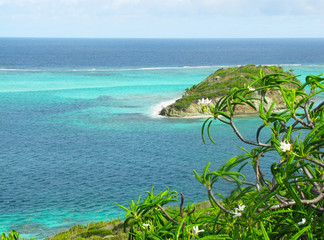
(286, 205)
(13, 235)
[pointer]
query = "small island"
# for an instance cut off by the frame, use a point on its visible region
(218, 84)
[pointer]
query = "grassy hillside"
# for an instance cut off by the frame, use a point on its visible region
(220, 82)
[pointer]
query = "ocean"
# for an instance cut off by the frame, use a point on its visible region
(80, 128)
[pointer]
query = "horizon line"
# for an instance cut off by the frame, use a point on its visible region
(166, 37)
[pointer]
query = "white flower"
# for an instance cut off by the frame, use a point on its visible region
(251, 88)
(302, 222)
(285, 146)
(196, 230)
(237, 211)
(208, 101)
(204, 101)
(241, 207)
(201, 101)
(146, 225)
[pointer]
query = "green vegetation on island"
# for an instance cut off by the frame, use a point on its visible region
(220, 83)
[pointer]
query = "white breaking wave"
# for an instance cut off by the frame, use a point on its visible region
(182, 67)
(108, 69)
(147, 68)
(20, 70)
(157, 108)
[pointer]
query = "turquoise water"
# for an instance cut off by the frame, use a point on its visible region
(105, 122)
(77, 139)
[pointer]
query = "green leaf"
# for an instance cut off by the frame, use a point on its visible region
(297, 235)
(203, 128)
(139, 199)
(308, 97)
(313, 132)
(125, 208)
(294, 195)
(261, 111)
(198, 177)
(263, 200)
(229, 106)
(285, 96)
(179, 228)
(251, 104)
(289, 133)
(208, 131)
(241, 167)
(271, 107)
(205, 170)
(264, 232)
(223, 114)
(275, 118)
(221, 196)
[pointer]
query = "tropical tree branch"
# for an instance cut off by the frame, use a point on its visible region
(167, 215)
(236, 131)
(211, 194)
(303, 201)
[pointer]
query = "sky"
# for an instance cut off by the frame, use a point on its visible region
(162, 18)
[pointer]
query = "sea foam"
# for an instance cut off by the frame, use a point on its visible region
(157, 108)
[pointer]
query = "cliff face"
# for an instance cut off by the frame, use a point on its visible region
(218, 84)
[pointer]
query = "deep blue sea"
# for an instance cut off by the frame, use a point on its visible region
(79, 125)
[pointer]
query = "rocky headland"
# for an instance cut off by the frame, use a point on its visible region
(220, 83)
